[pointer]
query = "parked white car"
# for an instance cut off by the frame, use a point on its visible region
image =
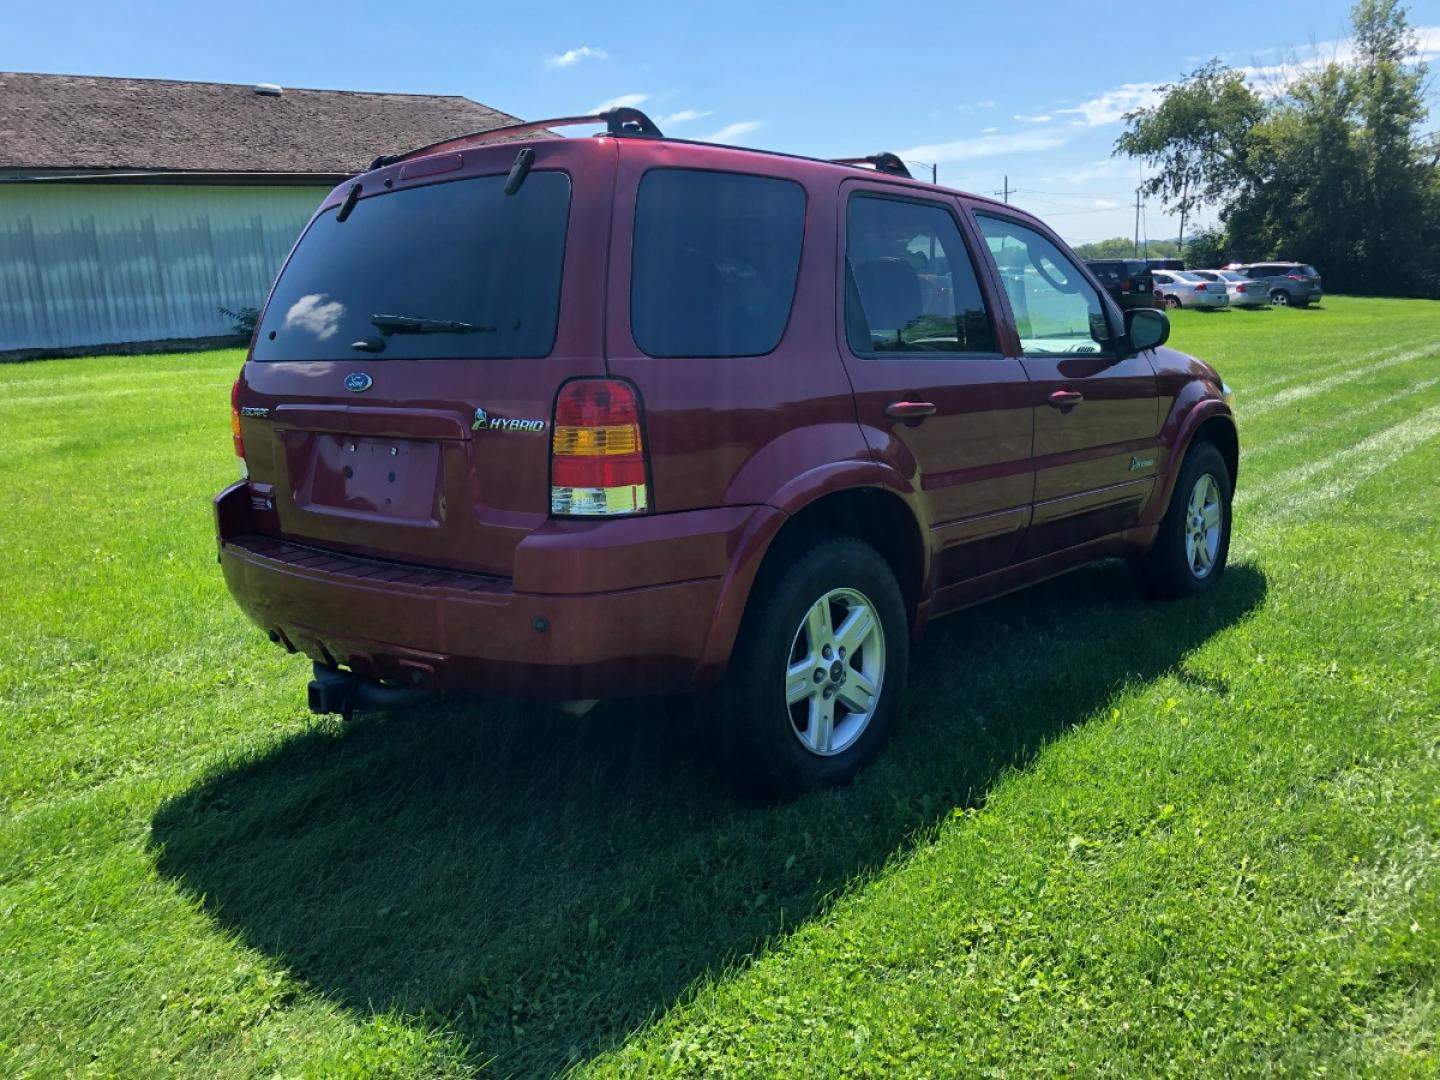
(1243, 292)
(1180, 288)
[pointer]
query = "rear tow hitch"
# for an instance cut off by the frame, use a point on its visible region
(344, 692)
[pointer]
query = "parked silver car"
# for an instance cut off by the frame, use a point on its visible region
(1180, 288)
(1289, 284)
(1242, 291)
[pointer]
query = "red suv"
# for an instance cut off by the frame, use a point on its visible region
(597, 417)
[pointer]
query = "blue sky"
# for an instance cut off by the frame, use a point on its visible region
(1032, 90)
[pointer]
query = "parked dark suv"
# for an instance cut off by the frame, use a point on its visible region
(1128, 281)
(597, 417)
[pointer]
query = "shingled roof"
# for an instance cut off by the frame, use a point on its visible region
(85, 122)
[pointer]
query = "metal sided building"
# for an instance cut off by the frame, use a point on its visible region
(133, 210)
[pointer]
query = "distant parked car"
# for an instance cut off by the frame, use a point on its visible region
(1288, 284)
(1242, 291)
(1128, 281)
(1180, 288)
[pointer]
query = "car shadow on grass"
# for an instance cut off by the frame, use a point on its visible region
(541, 886)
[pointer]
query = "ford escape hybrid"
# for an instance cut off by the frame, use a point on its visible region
(577, 418)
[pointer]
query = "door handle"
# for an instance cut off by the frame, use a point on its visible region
(910, 410)
(1064, 400)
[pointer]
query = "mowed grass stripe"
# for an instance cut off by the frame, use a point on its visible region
(1305, 390)
(1339, 420)
(1301, 474)
(1304, 373)
(1333, 477)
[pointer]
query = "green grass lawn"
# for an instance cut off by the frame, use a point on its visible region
(1201, 837)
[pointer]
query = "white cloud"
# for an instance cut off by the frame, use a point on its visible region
(989, 145)
(988, 103)
(684, 116)
(1272, 80)
(731, 132)
(571, 57)
(624, 101)
(990, 130)
(1105, 204)
(1042, 119)
(1110, 106)
(1104, 169)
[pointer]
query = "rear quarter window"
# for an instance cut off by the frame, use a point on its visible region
(714, 262)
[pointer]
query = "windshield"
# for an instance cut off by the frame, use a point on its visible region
(456, 269)
(1231, 275)
(1185, 275)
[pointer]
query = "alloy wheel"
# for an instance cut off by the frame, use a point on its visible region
(835, 671)
(1204, 518)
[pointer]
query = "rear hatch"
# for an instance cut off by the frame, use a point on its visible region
(398, 397)
(1139, 277)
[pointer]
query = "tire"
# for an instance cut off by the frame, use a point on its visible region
(1280, 298)
(1183, 561)
(1172, 302)
(772, 748)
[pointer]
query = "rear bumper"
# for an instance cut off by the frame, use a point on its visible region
(448, 631)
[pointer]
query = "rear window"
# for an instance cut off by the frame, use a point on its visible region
(458, 269)
(715, 261)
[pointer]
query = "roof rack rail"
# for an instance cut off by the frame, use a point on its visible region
(623, 121)
(884, 161)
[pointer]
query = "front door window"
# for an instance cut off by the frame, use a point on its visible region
(1057, 311)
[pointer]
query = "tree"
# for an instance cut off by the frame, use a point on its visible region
(1123, 247)
(1330, 170)
(1197, 138)
(1206, 249)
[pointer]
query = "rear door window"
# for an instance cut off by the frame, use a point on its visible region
(714, 262)
(456, 269)
(910, 284)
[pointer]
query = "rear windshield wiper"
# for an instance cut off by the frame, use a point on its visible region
(408, 324)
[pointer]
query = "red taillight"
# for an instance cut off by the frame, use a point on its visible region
(1293, 277)
(1125, 285)
(1242, 288)
(1200, 287)
(597, 451)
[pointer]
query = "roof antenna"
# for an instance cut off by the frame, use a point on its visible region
(519, 171)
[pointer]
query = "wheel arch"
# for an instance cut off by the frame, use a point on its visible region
(1207, 418)
(874, 513)
(1219, 430)
(877, 516)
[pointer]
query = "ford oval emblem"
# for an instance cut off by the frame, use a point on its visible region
(358, 382)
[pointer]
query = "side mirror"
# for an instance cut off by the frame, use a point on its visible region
(1145, 328)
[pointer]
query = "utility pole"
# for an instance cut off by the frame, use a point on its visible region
(1007, 187)
(1184, 206)
(934, 174)
(1137, 223)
